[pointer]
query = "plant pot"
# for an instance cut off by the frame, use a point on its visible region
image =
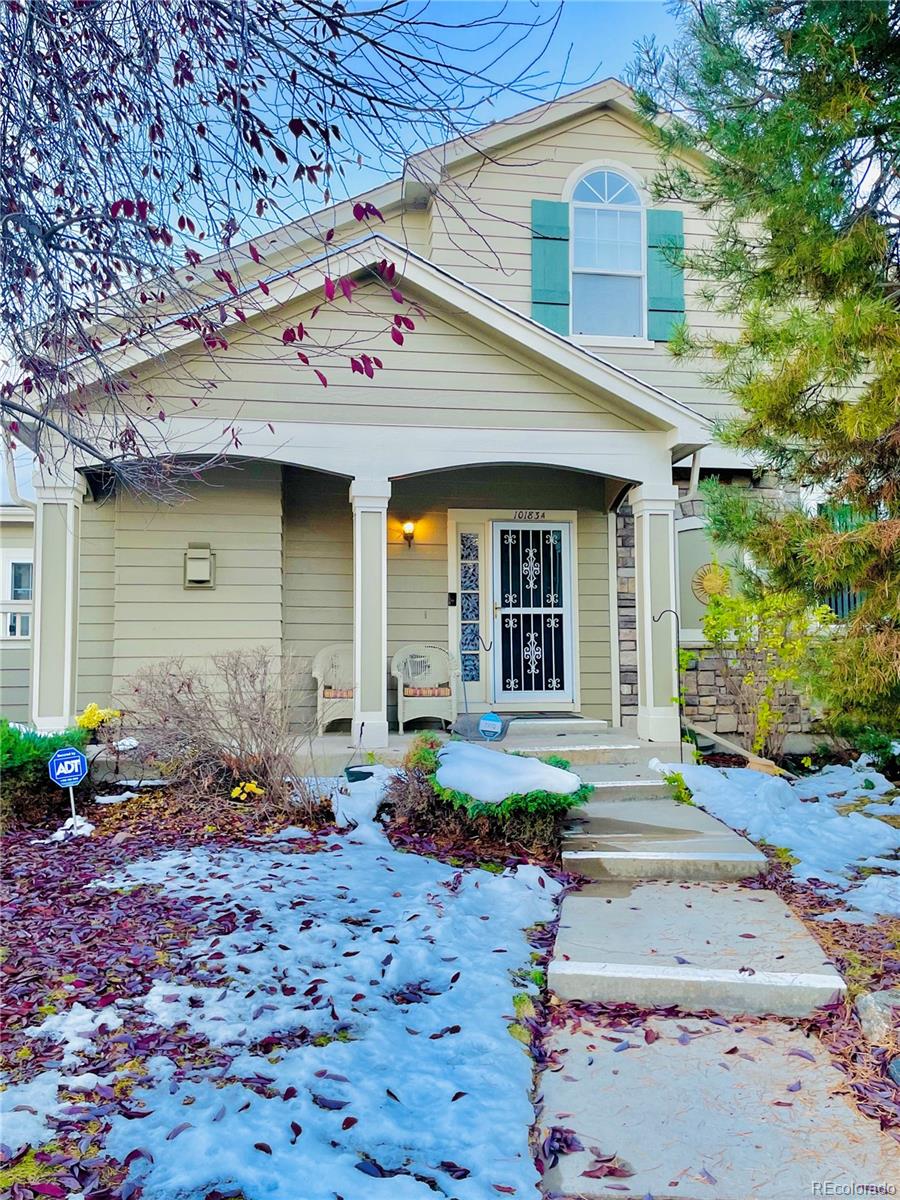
(358, 774)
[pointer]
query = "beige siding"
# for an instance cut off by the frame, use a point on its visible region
(96, 603)
(442, 376)
(318, 570)
(16, 535)
(236, 510)
(481, 231)
(15, 680)
(417, 577)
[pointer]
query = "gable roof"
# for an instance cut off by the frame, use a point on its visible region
(551, 352)
(425, 167)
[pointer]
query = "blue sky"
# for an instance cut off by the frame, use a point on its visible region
(593, 39)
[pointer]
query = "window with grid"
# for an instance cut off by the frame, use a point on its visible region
(607, 257)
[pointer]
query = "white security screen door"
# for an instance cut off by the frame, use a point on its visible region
(532, 577)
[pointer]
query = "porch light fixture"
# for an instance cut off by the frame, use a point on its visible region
(409, 532)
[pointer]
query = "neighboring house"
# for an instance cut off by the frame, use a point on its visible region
(16, 590)
(530, 429)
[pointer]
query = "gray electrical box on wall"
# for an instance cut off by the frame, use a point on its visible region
(199, 566)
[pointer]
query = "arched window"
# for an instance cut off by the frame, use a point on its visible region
(607, 257)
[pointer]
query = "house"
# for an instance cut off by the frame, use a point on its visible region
(506, 486)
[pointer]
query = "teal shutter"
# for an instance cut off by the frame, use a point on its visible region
(665, 280)
(550, 264)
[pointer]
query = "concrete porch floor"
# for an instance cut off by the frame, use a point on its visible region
(582, 742)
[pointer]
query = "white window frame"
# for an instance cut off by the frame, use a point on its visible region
(606, 339)
(8, 560)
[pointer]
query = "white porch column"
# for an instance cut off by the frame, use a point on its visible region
(55, 594)
(654, 559)
(369, 498)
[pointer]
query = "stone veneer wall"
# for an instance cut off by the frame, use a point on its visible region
(707, 699)
(625, 597)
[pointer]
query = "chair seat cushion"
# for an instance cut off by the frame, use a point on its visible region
(333, 693)
(442, 690)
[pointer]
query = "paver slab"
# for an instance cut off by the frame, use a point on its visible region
(710, 1112)
(697, 945)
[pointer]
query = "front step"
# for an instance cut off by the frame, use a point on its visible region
(655, 839)
(698, 946)
(591, 749)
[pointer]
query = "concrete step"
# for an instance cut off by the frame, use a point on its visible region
(592, 749)
(655, 839)
(695, 945)
(613, 781)
(551, 727)
(707, 1111)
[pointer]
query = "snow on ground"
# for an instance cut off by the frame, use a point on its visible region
(368, 993)
(803, 817)
(489, 776)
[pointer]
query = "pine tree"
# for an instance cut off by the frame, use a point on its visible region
(785, 129)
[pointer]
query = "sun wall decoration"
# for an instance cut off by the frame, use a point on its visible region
(708, 581)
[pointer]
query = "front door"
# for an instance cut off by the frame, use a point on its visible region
(532, 605)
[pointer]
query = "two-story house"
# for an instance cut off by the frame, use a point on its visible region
(503, 487)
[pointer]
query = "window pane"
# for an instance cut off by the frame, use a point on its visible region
(21, 581)
(607, 240)
(607, 304)
(606, 187)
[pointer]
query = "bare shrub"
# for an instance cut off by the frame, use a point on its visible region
(222, 724)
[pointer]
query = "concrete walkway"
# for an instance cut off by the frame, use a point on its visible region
(691, 1107)
(709, 1112)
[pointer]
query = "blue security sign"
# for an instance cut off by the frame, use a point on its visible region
(490, 726)
(68, 767)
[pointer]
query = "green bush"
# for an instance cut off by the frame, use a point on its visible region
(27, 794)
(532, 820)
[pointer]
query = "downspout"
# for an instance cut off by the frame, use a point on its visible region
(695, 476)
(13, 483)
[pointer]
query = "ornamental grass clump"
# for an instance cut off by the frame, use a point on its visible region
(226, 729)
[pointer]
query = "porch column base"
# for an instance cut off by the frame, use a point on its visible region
(659, 724)
(374, 730)
(369, 498)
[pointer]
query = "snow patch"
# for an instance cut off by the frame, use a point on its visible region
(803, 817)
(491, 776)
(383, 980)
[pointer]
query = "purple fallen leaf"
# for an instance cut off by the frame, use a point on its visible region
(794, 1087)
(803, 1054)
(264, 1147)
(706, 1177)
(219, 1114)
(327, 1102)
(173, 1133)
(135, 1154)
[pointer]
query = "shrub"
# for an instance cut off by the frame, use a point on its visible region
(28, 795)
(532, 821)
(94, 717)
(225, 729)
(766, 643)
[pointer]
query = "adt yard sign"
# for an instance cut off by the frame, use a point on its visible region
(68, 767)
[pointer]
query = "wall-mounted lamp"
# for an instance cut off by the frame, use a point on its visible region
(409, 532)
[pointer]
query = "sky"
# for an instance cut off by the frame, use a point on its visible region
(592, 40)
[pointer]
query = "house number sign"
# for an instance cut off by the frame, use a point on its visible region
(529, 514)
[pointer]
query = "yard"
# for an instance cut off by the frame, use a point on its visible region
(207, 1006)
(212, 1012)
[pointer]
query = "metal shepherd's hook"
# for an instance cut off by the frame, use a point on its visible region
(659, 616)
